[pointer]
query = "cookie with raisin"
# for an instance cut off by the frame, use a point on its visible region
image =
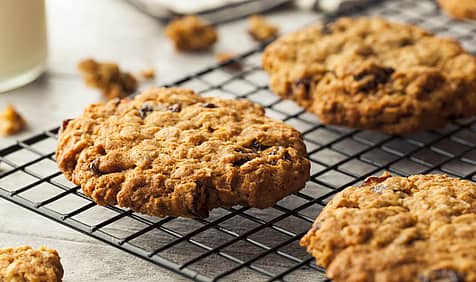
(419, 228)
(369, 73)
(171, 152)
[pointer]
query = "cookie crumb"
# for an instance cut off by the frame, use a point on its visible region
(461, 10)
(11, 121)
(27, 264)
(260, 29)
(191, 33)
(148, 73)
(107, 77)
(222, 57)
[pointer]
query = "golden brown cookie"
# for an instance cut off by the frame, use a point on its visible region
(191, 33)
(369, 73)
(461, 9)
(24, 264)
(418, 228)
(170, 152)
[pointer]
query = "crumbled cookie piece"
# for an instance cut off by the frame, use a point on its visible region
(369, 73)
(24, 264)
(222, 57)
(460, 9)
(148, 73)
(191, 33)
(260, 29)
(107, 77)
(11, 121)
(171, 152)
(419, 228)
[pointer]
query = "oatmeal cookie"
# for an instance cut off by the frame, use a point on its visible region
(170, 152)
(460, 9)
(108, 78)
(418, 228)
(191, 33)
(369, 73)
(24, 264)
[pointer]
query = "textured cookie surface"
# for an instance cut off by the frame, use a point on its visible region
(461, 9)
(24, 264)
(420, 228)
(172, 152)
(369, 73)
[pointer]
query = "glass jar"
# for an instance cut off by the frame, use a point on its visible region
(23, 43)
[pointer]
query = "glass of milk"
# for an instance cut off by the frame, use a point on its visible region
(23, 44)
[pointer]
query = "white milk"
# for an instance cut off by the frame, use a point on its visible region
(23, 46)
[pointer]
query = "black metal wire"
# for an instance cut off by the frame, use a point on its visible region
(220, 15)
(339, 157)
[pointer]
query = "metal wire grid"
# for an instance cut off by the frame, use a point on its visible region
(239, 242)
(222, 14)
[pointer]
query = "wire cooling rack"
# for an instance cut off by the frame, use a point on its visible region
(227, 12)
(244, 243)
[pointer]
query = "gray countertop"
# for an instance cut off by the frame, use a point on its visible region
(106, 30)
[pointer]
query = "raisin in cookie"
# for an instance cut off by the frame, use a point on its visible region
(172, 152)
(24, 264)
(369, 73)
(417, 228)
(460, 9)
